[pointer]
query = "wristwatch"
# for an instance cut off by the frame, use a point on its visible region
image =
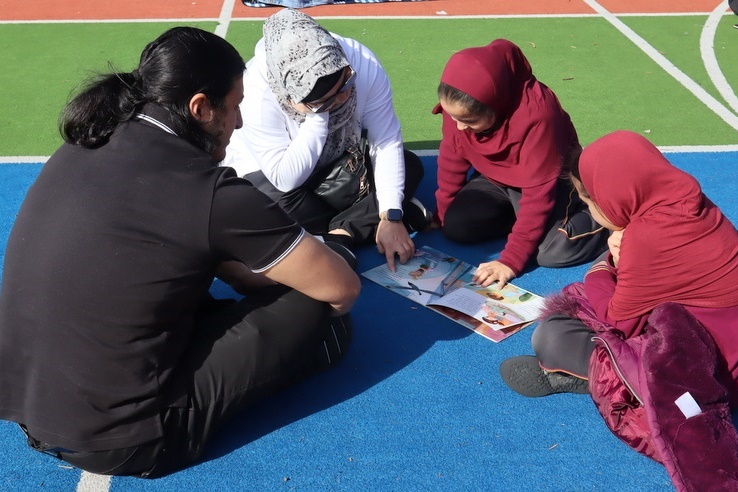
(393, 215)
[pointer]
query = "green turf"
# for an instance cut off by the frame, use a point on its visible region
(603, 80)
(678, 39)
(44, 63)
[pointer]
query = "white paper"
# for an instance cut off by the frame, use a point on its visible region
(688, 405)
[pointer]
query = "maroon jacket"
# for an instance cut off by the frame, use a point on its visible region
(635, 379)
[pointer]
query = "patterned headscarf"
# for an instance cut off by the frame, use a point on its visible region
(298, 53)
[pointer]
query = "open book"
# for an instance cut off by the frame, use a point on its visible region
(444, 283)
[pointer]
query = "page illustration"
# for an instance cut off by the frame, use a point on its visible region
(444, 283)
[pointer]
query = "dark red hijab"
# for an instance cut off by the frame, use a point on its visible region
(677, 245)
(526, 112)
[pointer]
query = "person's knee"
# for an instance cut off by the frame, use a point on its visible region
(564, 252)
(458, 227)
(542, 339)
(458, 231)
(555, 250)
(414, 171)
(413, 163)
(550, 258)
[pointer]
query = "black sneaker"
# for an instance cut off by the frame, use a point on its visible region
(524, 375)
(416, 217)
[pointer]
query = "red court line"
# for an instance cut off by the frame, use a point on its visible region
(29, 10)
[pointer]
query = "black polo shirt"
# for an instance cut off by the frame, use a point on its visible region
(111, 253)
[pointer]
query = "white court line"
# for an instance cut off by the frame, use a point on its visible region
(444, 15)
(90, 482)
(666, 149)
(707, 49)
(680, 149)
(716, 106)
(24, 159)
(434, 152)
(189, 20)
(226, 15)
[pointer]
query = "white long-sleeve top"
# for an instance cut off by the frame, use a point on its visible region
(287, 152)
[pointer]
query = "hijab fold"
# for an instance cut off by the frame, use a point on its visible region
(677, 245)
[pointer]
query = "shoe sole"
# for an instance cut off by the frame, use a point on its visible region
(525, 376)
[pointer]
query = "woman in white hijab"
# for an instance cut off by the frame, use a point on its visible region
(309, 94)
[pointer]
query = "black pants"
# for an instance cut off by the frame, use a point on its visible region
(483, 211)
(243, 351)
(317, 217)
(563, 344)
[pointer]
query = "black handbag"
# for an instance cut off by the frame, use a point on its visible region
(346, 180)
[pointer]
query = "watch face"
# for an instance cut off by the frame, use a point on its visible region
(394, 215)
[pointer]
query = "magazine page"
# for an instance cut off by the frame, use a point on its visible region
(444, 284)
(477, 326)
(497, 308)
(427, 276)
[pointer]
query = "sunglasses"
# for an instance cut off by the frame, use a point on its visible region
(319, 107)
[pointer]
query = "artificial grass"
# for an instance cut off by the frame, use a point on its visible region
(44, 63)
(603, 80)
(678, 39)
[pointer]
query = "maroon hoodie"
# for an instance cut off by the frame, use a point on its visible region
(525, 149)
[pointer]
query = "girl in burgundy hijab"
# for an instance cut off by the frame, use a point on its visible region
(510, 131)
(671, 244)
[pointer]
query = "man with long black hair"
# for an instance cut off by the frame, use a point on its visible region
(113, 355)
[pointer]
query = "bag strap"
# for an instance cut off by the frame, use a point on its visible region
(363, 142)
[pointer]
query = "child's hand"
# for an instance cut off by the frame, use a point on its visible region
(613, 242)
(491, 272)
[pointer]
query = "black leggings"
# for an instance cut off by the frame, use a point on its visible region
(482, 211)
(317, 217)
(242, 352)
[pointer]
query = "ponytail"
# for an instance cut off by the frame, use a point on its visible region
(107, 101)
(180, 63)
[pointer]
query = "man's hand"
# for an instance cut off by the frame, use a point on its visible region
(491, 272)
(392, 239)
